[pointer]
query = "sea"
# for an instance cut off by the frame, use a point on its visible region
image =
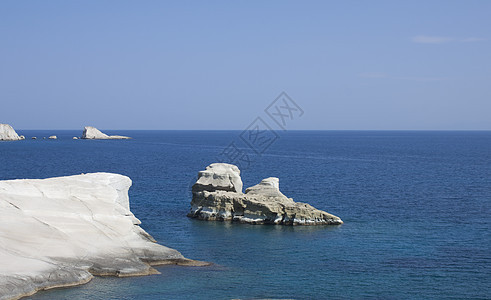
(416, 207)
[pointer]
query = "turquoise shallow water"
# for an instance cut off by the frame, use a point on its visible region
(416, 208)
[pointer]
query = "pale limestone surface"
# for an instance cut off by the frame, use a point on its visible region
(213, 199)
(53, 137)
(7, 133)
(269, 187)
(92, 133)
(61, 231)
(219, 177)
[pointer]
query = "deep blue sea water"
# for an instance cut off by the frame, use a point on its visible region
(416, 207)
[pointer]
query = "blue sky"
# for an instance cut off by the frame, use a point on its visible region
(218, 64)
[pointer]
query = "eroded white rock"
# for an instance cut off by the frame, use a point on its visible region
(7, 133)
(53, 137)
(215, 198)
(269, 187)
(219, 177)
(62, 231)
(92, 133)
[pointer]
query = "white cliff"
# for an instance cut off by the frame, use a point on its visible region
(7, 133)
(92, 133)
(61, 231)
(215, 197)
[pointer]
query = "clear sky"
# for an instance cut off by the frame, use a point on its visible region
(219, 64)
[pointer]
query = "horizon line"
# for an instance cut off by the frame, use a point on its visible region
(280, 130)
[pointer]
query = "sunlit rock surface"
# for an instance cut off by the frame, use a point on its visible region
(216, 198)
(7, 133)
(61, 231)
(219, 177)
(92, 133)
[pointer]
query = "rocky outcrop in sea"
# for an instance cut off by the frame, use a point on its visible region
(7, 133)
(62, 231)
(217, 195)
(92, 133)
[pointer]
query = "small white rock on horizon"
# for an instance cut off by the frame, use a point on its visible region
(7, 133)
(92, 133)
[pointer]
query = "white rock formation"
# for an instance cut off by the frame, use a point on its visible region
(216, 198)
(22, 137)
(269, 187)
(219, 177)
(34, 138)
(7, 133)
(61, 231)
(53, 137)
(92, 133)
(75, 138)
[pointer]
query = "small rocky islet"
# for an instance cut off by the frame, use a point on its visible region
(217, 196)
(92, 133)
(7, 133)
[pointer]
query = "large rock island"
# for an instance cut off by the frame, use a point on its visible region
(217, 195)
(61, 231)
(92, 133)
(7, 133)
